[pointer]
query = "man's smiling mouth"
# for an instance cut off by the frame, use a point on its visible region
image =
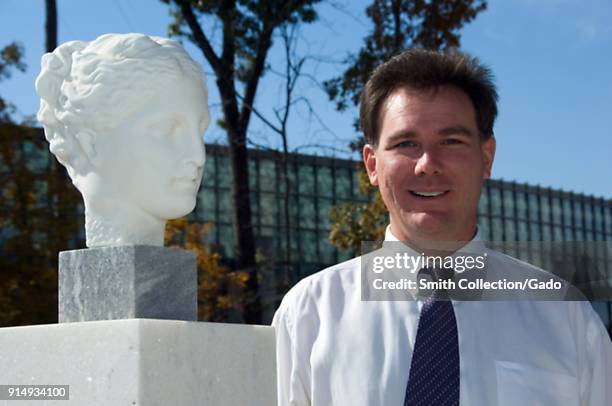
(428, 194)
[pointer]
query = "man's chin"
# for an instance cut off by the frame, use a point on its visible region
(428, 225)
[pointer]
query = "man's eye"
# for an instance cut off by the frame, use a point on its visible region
(406, 144)
(452, 141)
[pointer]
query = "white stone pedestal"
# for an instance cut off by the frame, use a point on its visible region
(143, 362)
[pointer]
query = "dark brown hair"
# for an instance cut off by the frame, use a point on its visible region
(423, 69)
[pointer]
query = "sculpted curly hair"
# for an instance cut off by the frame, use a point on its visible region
(96, 85)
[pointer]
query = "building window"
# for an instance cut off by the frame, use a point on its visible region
(534, 210)
(498, 229)
(521, 205)
(496, 202)
(599, 221)
(483, 203)
(343, 183)
(588, 216)
(567, 213)
(523, 233)
(557, 212)
(325, 181)
(510, 230)
(546, 232)
(306, 180)
(508, 204)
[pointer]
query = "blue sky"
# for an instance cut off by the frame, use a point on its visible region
(551, 58)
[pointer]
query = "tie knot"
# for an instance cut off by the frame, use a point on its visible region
(437, 274)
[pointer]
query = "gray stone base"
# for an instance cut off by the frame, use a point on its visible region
(127, 282)
(143, 362)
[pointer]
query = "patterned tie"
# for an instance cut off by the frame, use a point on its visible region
(434, 372)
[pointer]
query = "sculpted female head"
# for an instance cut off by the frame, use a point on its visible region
(125, 115)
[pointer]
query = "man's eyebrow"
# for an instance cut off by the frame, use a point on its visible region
(445, 132)
(456, 130)
(401, 134)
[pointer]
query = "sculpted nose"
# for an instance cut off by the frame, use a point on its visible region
(199, 151)
(195, 152)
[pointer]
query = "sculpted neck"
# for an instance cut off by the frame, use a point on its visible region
(110, 223)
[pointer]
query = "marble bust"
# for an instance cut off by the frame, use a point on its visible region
(125, 114)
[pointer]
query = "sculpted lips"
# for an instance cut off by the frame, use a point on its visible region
(189, 180)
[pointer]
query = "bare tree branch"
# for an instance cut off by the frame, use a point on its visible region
(198, 35)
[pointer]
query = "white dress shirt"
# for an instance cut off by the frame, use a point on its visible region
(335, 349)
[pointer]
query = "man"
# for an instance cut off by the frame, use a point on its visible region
(428, 121)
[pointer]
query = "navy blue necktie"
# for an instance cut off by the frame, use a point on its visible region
(434, 372)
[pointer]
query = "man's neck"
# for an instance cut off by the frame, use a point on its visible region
(435, 244)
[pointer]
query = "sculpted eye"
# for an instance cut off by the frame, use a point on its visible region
(173, 126)
(164, 128)
(168, 127)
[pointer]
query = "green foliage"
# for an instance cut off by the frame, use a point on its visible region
(399, 25)
(353, 223)
(10, 58)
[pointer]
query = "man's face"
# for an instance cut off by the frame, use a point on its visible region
(430, 163)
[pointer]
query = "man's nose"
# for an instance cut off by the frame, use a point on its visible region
(428, 163)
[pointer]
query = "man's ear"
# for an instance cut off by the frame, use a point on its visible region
(488, 154)
(369, 160)
(86, 140)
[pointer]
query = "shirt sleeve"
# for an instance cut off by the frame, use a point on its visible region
(597, 376)
(290, 389)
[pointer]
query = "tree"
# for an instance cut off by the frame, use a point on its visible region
(61, 195)
(354, 223)
(51, 25)
(239, 63)
(34, 226)
(400, 24)
(10, 58)
(397, 25)
(38, 208)
(290, 76)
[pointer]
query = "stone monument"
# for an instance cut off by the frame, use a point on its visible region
(125, 115)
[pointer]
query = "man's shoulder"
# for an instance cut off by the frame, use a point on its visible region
(335, 276)
(507, 267)
(329, 281)
(518, 267)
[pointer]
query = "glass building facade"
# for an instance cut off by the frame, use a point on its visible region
(508, 212)
(316, 185)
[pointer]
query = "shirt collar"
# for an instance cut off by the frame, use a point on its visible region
(474, 246)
